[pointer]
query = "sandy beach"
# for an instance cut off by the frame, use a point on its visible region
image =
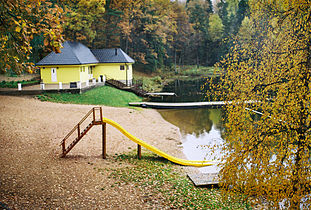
(32, 174)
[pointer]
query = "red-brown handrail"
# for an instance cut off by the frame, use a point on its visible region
(86, 116)
(78, 128)
(74, 128)
(69, 134)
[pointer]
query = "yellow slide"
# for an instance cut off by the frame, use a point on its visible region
(155, 150)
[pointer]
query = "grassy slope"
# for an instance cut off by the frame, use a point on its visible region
(105, 95)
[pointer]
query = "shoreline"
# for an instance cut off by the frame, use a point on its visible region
(33, 176)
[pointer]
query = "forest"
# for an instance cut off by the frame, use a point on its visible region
(158, 34)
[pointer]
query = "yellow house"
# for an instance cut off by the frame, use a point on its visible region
(77, 63)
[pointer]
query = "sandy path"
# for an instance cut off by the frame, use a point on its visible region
(33, 176)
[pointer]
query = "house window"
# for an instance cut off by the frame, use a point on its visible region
(82, 68)
(121, 67)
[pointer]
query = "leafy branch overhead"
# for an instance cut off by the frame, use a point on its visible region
(20, 22)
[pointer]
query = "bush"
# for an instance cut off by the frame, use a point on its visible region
(13, 84)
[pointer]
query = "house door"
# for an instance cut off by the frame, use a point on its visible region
(53, 74)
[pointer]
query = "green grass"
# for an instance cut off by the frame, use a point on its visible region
(194, 71)
(104, 95)
(164, 181)
(13, 84)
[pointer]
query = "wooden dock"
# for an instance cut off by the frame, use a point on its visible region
(186, 105)
(161, 94)
(204, 179)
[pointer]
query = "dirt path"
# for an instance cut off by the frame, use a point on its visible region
(33, 176)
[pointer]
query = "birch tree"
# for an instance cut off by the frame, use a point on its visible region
(269, 156)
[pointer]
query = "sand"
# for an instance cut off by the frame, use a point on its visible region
(32, 174)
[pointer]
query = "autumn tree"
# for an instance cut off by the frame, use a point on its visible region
(199, 12)
(20, 22)
(81, 19)
(181, 38)
(216, 35)
(268, 72)
(147, 27)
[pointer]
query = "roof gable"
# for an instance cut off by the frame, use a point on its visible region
(72, 53)
(114, 55)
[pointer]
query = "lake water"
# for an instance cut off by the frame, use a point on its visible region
(201, 133)
(201, 129)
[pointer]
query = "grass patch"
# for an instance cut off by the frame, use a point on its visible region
(202, 71)
(162, 180)
(150, 84)
(13, 84)
(154, 82)
(104, 95)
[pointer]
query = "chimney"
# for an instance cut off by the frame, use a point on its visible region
(116, 51)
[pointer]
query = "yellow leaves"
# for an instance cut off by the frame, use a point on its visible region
(18, 29)
(267, 147)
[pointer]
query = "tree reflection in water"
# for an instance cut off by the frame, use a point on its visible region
(201, 131)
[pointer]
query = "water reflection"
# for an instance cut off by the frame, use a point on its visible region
(193, 121)
(187, 90)
(201, 131)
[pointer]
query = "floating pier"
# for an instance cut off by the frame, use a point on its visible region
(185, 105)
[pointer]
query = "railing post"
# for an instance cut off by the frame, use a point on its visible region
(138, 151)
(78, 130)
(93, 115)
(104, 139)
(64, 148)
(101, 114)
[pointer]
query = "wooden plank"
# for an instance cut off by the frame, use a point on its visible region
(204, 179)
(161, 94)
(185, 105)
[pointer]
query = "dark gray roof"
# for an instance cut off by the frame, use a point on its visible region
(114, 55)
(73, 53)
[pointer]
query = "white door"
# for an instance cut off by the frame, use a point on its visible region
(53, 74)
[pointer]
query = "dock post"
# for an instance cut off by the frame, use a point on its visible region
(104, 139)
(138, 151)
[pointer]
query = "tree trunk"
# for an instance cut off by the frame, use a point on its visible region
(175, 61)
